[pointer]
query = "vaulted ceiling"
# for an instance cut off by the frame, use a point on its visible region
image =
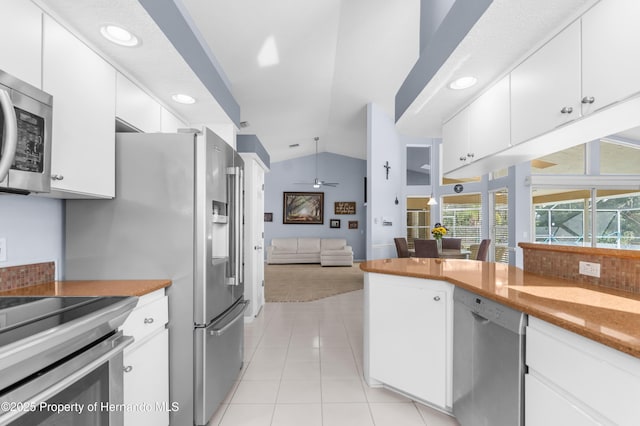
(335, 56)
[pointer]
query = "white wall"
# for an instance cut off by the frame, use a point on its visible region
(33, 227)
(383, 144)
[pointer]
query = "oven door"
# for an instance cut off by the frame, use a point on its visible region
(82, 389)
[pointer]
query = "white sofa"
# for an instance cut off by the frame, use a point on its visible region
(326, 251)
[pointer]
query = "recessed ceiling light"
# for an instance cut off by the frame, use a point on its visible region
(268, 54)
(463, 83)
(119, 35)
(183, 99)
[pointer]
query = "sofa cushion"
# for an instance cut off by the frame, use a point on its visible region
(308, 245)
(333, 243)
(285, 245)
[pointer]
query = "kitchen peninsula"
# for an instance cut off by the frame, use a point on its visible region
(581, 338)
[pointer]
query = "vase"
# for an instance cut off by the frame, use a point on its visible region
(439, 244)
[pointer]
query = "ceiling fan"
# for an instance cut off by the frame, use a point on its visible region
(317, 183)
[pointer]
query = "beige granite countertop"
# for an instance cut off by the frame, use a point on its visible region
(611, 317)
(90, 288)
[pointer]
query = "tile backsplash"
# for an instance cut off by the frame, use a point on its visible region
(619, 269)
(13, 277)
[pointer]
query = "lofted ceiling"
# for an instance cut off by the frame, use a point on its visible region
(335, 57)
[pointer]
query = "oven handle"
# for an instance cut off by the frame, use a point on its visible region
(10, 134)
(120, 343)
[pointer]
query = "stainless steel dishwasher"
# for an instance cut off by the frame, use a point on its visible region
(488, 361)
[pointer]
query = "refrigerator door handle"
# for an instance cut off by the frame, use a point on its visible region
(240, 227)
(234, 176)
(238, 314)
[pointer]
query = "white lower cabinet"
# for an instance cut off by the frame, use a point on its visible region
(146, 363)
(409, 330)
(573, 380)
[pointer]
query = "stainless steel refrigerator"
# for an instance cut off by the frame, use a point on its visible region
(177, 214)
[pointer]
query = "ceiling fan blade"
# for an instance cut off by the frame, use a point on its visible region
(329, 183)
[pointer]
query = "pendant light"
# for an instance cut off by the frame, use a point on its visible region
(432, 201)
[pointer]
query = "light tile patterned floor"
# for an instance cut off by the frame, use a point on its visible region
(303, 366)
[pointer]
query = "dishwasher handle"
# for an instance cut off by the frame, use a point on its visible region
(480, 318)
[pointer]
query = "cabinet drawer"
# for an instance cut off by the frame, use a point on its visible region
(606, 380)
(540, 400)
(147, 318)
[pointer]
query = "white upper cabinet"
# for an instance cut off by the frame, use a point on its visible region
(20, 41)
(481, 129)
(610, 47)
(83, 86)
(169, 123)
(135, 107)
(545, 88)
(490, 121)
(455, 141)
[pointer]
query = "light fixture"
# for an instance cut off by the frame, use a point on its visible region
(119, 35)
(268, 54)
(432, 201)
(183, 99)
(463, 83)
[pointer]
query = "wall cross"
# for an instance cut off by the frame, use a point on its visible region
(387, 166)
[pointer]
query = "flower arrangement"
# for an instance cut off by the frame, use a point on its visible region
(438, 231)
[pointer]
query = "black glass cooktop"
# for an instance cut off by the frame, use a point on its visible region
(22, 317)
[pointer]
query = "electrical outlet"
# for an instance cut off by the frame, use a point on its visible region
(3, 249)
(590, 269)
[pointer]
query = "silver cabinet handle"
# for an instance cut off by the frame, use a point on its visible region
(588, 100)
(436, 298)
(8, 152)
(470, 154)
(127, 369)
(463, 158)
(148, 320)
(258, 247)
(566, 110)
(57, 177)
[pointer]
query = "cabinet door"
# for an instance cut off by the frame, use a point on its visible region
(169, 123)
(146, 381)
(546, 407)
(610, 44)
(408, 340)
(455, 141)
(20, 41)
(135, 107)
(490, 121)
(545, 85)
(83, 134)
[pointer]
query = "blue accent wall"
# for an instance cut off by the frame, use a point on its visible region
(348, 172)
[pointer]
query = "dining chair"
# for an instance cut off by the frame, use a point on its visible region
(402, 248)
(426, 248)
(452, 243)
(483, 250)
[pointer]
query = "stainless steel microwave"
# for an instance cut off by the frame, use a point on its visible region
(25, 137)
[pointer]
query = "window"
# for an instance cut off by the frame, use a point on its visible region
(618, 219)
(618, 158)
(560, 216)
(500, 226)
(418, 165)
(570, 161)
(461, 215)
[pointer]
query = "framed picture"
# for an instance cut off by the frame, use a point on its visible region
(268, 217)
(334, 223)
(353, 224)
(303, 208)
(344, 207)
